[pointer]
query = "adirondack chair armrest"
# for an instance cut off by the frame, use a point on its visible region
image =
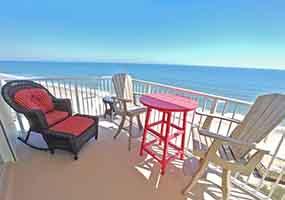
(218, 117)
(137, 94)
(230, 140)
(122, 99)
(226, 139)
(121, 102)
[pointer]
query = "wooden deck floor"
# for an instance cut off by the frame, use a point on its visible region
(106, 170)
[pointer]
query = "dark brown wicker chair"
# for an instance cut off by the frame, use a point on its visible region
(49, 116)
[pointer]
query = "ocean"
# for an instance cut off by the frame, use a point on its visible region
(240, 83)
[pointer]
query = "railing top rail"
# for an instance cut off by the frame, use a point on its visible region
(59, 78)
(189, 91)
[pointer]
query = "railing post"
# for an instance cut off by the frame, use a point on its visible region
(148, 88)
(77, 98)
(261, 183)
(276, 182)
(208, 120)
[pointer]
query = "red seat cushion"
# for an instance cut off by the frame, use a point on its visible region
(34, 98)
(75, 125)
(55, 116)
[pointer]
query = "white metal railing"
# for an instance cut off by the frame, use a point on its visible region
(86, 95)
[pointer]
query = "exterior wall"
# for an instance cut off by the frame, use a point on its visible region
(7, 132)
(1, 160)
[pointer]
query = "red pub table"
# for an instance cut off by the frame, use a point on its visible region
(167, 104)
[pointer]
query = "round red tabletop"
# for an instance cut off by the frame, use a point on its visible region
(168, 102)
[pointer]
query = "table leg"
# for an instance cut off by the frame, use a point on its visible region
(162, 127)
(111, 115)
(145, 130)
(165, 149)
(183, 135)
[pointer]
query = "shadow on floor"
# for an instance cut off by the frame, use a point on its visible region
(105, 170)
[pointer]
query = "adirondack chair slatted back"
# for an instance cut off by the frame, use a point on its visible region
(264, 115)
(123, 86)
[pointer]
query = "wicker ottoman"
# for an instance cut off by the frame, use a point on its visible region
(72, 133)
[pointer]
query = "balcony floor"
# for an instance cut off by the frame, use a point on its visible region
(105, 170)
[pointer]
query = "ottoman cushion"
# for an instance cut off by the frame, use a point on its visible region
(74, 125)
(55, 116)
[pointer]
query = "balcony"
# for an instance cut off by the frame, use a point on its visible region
(107, 170)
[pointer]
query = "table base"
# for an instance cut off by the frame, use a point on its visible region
(163, 138)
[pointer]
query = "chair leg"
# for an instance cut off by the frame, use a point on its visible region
(226, 184)
(196, 177)
(105, 113)
(148, 112)
(130, 134)
(52, 151)
(120, 126)
(139, 122)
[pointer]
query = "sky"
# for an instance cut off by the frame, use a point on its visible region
(238, 33)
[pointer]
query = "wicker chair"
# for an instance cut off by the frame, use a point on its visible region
(50, 117)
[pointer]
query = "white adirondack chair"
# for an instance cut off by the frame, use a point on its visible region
(239, 151)
(124, 104)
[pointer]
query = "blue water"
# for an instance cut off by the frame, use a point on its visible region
(239, 83)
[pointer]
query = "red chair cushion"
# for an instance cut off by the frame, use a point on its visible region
(34, 98)
(55, 116)
(75, 125)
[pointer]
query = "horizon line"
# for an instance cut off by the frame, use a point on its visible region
(137, 62)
